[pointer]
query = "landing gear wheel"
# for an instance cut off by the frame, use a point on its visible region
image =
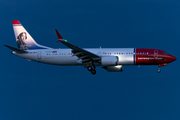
(159, 70)
(93, 72)
(89, 68)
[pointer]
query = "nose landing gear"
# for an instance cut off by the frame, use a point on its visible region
(160, 65)
(159, 70)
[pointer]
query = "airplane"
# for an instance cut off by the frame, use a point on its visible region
(111, 59)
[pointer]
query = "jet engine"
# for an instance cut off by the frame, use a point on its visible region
(109, 60)
(117, 68)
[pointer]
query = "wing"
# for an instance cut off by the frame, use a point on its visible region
(16, 49)
(83, 55)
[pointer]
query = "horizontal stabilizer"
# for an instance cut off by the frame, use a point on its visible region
(16, 49)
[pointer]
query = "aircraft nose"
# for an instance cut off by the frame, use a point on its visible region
(173, 58)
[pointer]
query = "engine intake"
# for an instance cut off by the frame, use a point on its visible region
(118, 68)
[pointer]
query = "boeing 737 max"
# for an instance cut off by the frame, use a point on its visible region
(111, 59)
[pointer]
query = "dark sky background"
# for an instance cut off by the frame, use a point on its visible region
(35, 91)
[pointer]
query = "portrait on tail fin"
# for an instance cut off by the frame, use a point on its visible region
(21, 41)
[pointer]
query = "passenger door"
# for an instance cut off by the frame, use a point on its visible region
(39, 55)
(155, 54)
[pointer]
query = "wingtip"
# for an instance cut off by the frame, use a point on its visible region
(60, 38)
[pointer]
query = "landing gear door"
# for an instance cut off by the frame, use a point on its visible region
(155, 54)
(39, 55)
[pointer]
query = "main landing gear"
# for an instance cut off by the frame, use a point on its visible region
(91, 68)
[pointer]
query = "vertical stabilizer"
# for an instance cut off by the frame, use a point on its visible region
(24, 39)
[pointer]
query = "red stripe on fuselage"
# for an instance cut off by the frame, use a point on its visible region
(145, 56)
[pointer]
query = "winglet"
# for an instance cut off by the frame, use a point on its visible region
(60, 39)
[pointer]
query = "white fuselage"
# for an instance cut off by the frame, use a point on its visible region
(126, 56)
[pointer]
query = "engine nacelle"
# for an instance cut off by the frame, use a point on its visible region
(109, 60)
(117, 68)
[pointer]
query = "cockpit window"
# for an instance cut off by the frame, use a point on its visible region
(165, 53)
